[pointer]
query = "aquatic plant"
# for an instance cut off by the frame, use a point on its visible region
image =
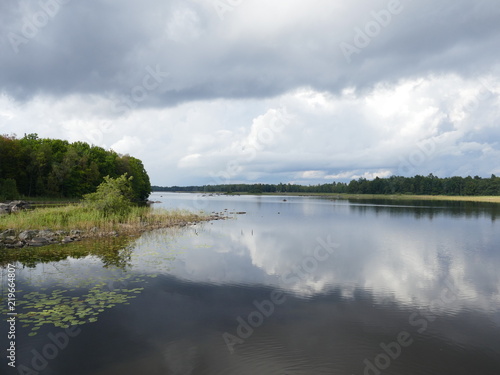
(63, 310)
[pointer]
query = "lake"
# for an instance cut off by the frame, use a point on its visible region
(294, 285)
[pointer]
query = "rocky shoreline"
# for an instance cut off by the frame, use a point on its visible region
(17, 239)
(11, 239)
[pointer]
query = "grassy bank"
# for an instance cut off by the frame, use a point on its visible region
(71, 217)
(487, 199)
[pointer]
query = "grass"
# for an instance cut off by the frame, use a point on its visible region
(76, 216)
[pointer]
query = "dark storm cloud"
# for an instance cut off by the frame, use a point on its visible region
(103, 47)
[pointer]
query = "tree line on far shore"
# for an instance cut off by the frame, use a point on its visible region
(416, 185)
(33, 167)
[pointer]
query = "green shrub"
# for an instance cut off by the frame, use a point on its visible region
(113, 196)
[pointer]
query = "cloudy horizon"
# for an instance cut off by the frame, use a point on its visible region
(244, 91)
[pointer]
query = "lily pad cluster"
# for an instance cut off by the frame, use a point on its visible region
(60, 309)
(81, 284)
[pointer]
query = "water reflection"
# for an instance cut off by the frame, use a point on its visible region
(427, 209)
(353, 277)
(394, 257)
(112, 251)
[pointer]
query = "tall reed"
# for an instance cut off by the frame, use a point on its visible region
(82, 218)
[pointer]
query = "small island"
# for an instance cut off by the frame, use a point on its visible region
(56, 192)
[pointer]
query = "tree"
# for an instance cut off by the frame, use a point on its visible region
(9, 156)
(57, 168)
(140, 182)
(8, 189)
(113, 196)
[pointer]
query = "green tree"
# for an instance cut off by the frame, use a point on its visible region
(9, 156)
(140, 183)
(113, 196)
(8, 189)
(56, 167)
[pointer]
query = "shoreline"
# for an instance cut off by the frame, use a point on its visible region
(402, 197)
(66, 224)
(395, 197)
(34, 238)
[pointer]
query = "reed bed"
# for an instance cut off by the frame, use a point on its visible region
(79, 217)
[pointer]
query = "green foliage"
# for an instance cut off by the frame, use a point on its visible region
(140, 184)
(256, 189)
(57, 168)
(61, 309)
(8, 189)
(113, 196)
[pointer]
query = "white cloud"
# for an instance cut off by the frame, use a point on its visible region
(311, 175)
(183, 25)
(128, 145)
(303, 135)
(190, 161)
(354, 175)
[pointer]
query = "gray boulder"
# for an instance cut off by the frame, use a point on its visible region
(28, 235)
(15, 245)
(9, 240)
(7, 233)
(14, 206)
(39, 241)
(67, 239)
(4, 209)
(46, 233)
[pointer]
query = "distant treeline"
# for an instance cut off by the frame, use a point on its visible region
(55, 168)
(418, 185)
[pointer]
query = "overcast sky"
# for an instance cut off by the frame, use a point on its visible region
(230, 91)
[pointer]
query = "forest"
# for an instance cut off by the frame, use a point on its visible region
(42, 167)
(417, 185)
(34, 167)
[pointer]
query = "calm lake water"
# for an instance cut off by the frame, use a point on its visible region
(302, 286)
